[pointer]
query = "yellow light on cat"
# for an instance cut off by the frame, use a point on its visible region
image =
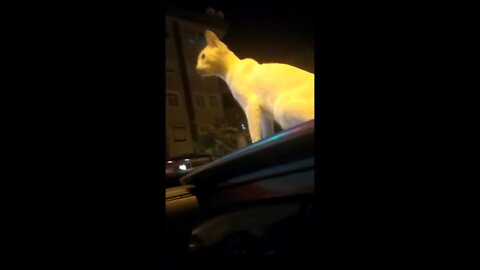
(266, 92)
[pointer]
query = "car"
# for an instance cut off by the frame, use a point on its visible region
(255, 203)
(177, 167)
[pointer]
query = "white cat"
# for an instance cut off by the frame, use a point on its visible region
(266, 92)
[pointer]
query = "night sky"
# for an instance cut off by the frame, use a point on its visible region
(268, 32)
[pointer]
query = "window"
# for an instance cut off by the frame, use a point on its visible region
(214, 102)
(200, 101)
(179, 133)
(173, 100)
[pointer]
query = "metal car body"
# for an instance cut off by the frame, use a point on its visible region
(257, 202)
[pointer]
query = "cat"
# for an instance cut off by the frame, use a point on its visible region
(266, 92)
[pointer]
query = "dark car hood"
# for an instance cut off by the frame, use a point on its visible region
(291, 144)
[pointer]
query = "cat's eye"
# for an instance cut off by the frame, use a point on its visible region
(203, 56)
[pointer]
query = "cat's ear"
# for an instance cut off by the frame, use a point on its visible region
(212, 39)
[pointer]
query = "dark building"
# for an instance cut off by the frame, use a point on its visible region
(191, 100)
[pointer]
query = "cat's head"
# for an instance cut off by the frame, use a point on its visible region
(210, 60)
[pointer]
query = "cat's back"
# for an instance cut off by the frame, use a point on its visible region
(279, 69)
(283, 77)
(247, 66)
(250, 68)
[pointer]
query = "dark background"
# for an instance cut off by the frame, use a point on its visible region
(267, 33)
(84, 135)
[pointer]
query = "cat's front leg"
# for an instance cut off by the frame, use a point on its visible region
(267, 125)
(254, 115)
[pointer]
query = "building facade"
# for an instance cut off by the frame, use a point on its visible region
(191, 100)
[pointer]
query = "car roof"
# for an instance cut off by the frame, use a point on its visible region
(289, 145)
